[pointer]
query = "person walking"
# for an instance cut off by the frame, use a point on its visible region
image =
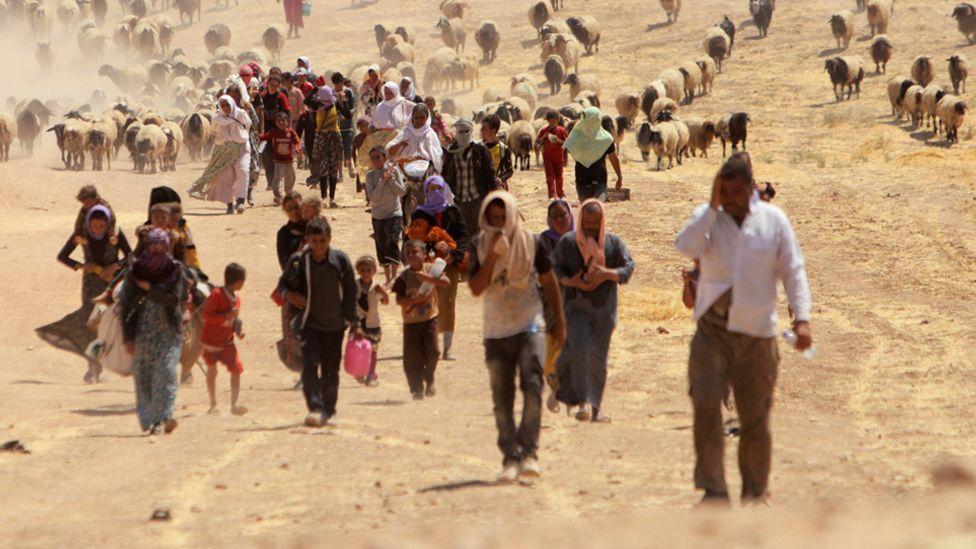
(225, 178)
(550, 140)
(745, 246)
(326, 160)
(591, 145)
(508, 263)
(271, 101)
(468, 172)
(294, 17)
(384, 190)
(347, 131)
(590, 263)
(559, 217)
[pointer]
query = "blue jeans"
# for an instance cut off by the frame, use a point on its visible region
(520, 355)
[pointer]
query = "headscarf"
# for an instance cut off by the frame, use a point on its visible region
(364, 118)
(88, 217)
(390, 113)
(411, 94)
(235, 111)
(326, 96)
(463, 142)
(162, 195)
(588, 141)
(256, 68)
(436, 200)
(592, 250)
(375, 69)
(246, 73)
(152, 265)
(518, 244)
(551, 233)
(306, 61)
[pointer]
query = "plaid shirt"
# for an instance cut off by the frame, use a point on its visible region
(466, 185)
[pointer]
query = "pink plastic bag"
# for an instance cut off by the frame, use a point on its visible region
(359, 356)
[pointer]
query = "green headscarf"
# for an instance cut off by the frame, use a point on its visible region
(588, 141)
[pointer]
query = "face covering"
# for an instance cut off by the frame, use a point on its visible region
(462, 133)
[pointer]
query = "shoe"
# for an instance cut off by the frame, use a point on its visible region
(313, 419)
(326, 417)
(600, 417)
(240, 208)
(584, 413)
(332, 204)
(431, 390)
(419, 395)
(230, 209)
(373, 383)
(530, 468)
(169, 425)
(510, 472)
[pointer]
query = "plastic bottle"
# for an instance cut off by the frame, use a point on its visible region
(790, 337)
(435, 271)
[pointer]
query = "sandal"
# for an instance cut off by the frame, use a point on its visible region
(552, 403)
(584, 413)
(600, 417)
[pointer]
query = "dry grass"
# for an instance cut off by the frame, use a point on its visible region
(652, 305)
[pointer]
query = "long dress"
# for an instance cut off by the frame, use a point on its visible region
(227, 175)
(293, 13)
(155, 364)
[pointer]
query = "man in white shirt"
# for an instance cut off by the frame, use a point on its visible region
(745, 247)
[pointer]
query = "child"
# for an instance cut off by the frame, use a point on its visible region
(286, 146)
(184, 238)
(371, 295)
(550, 140)
(221, 321)
(420, 352)
(501, 155)
(384, 189)
(362, 126)
(437, 122)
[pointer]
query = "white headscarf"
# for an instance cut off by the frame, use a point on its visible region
(518, 244)
(411, 94)
(421, 142)
(392, 113)
(307, 62)
(235, 126)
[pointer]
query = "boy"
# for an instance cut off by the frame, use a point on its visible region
(550, 140)
(384, 189)
(501, 155)
(417, 299)
(362, 127)
(371, 295)
(221, 322)
(285, 146)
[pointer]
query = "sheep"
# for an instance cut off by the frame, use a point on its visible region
(521, 140)
(762, 15)
(539, 13)
(652, 92)
(453, 9)
(132, 129)
(628, 105)
(174, 141)
(44, 56)
(527, 92)
(129, 80)
(40, 23)
(845, 71)
(618, 127)
(222, 70)
(153, 119)
(407, 69)
(913, 104)
(491, 95)
(434, 70)
(879, 15)
(681, 147)
(166, 32)
(196, 130)
(75, 143)
(707, 67)
(274, 40)
(931, 95)
(521, 78)
(692, 74)
(145, 39)
(660, 138)
(555, 73)
(881, 49)
(99, 10)
(99, 144)
(553, 26)
(952, 113)
(150, 145)
(92, 43)
(488, 39)
(923, 70)
(701, 134)
(519, 108)
(380, 33)
(579, 83)
(958, 72)
(28, 129)
(586, 30)
(965, 16)
(398, 51)
(216, 36)
(728, 26)
(406, 33)
(842, 25)
(572, 111)
(733, 128)
(8, 129)
(565, 47)
(122, 37)
(672, 8)
(68, 12)
(453, 33)
(662, 104)
(463, 68)
(674, 83)
(717, 45)
(119, 119)
(897, 88)
(589, 98)
(186, 8)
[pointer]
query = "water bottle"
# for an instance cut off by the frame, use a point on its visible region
(790, 337)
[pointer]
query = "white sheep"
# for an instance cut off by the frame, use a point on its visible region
(586, 30)
(521, 140)
(527, 92)
(692, 74)
(174, 142)
(952, 113)
(434, 70)
(196, 131)
(75, 143)
(539, 13)
(674, 83)
(879, 15)
(150, 144)
(931, 95)
(897, 87)
(463, 68)
(660, 138)
(100, 140)
(707, 66)
(701, 135)
(565, 47)
(628, 105)
(958, 72)
(913, 104)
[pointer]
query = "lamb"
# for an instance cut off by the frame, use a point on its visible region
(879, 15)
(931, 95)
(587, 31)
(434, 70)
(567, 48)
(958, 72)
(881, 49)
(525, 91)
(150, 145)
(762, 15)
(701, 134)
(577, 84)
(453, 33)
(923, 70)
(8, 129)
(274, 41)
(99, 144)
(628, 105)
(28, 127)
(717, 45)
(965, 16)
(913, 104)
(75, 143)
(728, 26)
(660, 138)
(44, 56)
(897, 88)
(707, 67)
(186, 8)
(662, 104)
(463, 68)
(952, 113)
(174, 141)
(733, 128)
(674, 83)
(652, 92)
(539, 13)
(488, 40)
(453, 8)
(845, 71)
(672, 8)
(521, 140)
(692, 74)
(555, 73)
(842, 25)
(216, 36)
(553, 26)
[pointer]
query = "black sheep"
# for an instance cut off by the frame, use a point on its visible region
(762, 15)
(728, 26)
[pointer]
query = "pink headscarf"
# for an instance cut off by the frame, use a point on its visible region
(592, 250)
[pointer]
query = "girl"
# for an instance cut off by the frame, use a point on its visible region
(560, 221)
(327, 156)
(371, 295)
(418, 141)
(395, 112)
(371, 92)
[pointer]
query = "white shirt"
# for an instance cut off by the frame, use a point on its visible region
(426, 146)
(750, 260)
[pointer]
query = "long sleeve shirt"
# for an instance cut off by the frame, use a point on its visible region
(749, 260)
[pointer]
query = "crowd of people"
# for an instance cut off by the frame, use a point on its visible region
(549, 300)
